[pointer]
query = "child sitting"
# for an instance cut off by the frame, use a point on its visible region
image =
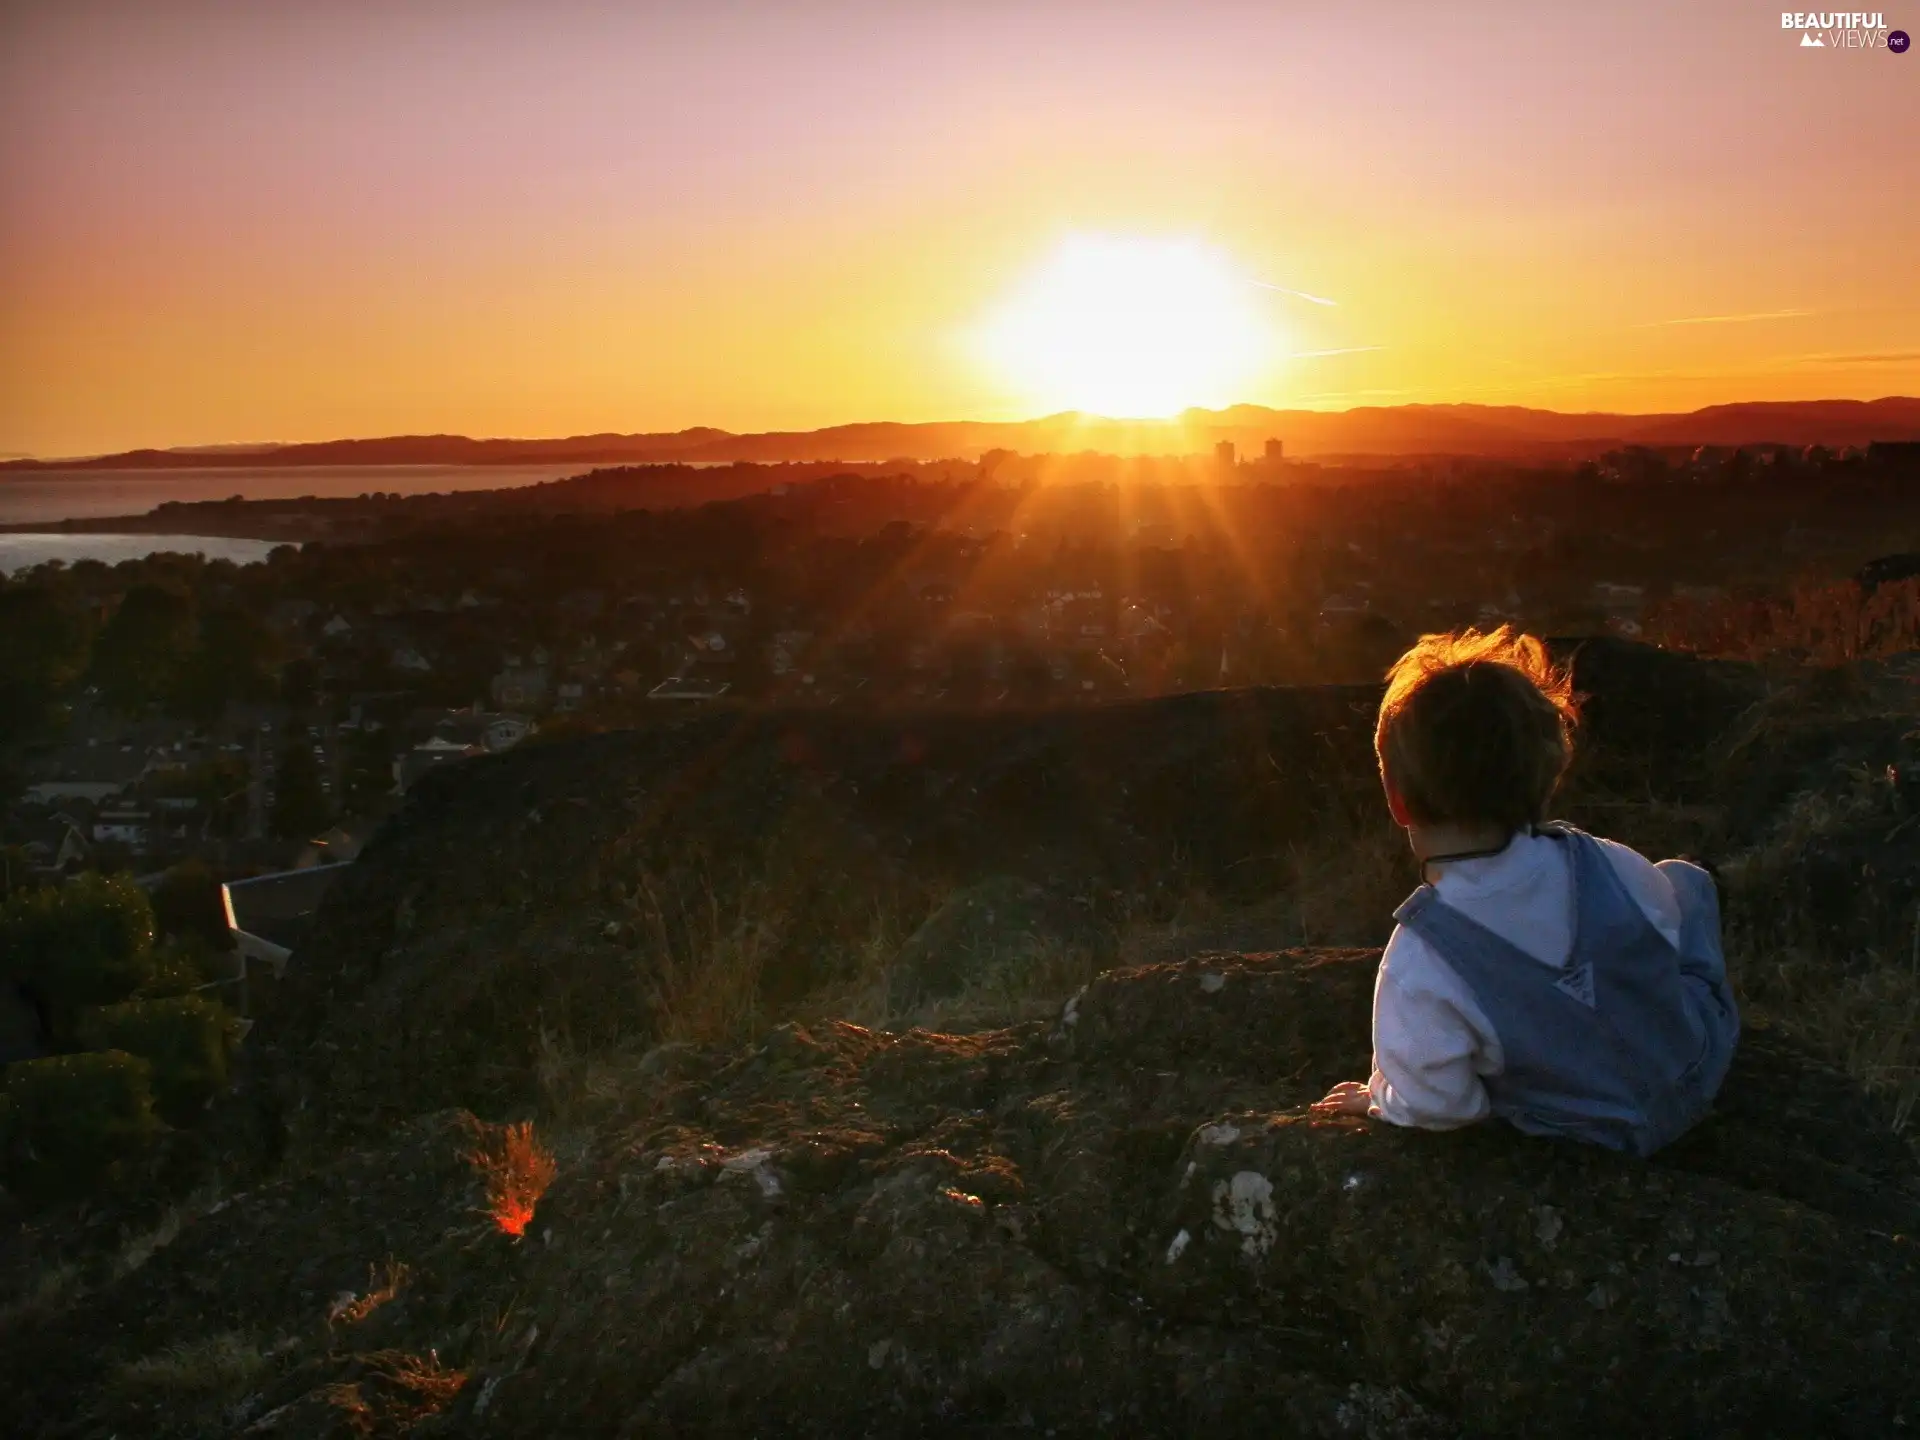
(1561, 982)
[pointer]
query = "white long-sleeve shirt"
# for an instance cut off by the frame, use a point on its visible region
(1433, 1046)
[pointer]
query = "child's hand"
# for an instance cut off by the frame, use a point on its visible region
(1349, 1097)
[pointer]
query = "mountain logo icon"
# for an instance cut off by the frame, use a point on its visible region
(1811, 42)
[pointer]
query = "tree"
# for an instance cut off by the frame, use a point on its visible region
(300, 806)
(368, 774)
(232, 660)
(88, 942)
(43, 648)
(139, 655)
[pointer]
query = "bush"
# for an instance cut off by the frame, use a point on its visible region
(72, 1121)
(184, 965)
(88, 942)
(187, 1040)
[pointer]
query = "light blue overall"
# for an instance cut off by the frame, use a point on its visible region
(1626, 1045)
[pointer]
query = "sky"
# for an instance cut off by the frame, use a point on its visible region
(299, 220)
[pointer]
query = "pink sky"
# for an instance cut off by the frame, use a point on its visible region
(238, 221)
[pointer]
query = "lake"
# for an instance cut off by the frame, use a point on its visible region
(21, 552)
(39, 496)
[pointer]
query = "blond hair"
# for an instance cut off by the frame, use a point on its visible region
(1476, 728)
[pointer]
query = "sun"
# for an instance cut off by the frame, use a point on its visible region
(1128, 326)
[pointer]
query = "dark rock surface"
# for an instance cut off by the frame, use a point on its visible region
(1119, 1221)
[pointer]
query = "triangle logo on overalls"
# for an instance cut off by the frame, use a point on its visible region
(1578, 984)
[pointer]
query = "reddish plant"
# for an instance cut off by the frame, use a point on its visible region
(517, 1169)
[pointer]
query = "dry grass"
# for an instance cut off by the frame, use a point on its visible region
(1345, 893)
(1817, 623)
(707, 962)
(516, 1170)
(1047, 971)
(381, 1288)
(398, 1391)
(1858, 1006)
(217, 1365)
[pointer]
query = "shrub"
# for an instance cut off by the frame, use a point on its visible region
(183, 965)
(88, 942)
(73, 1120)
(187, 1040)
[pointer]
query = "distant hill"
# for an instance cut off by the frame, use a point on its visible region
(1493, 430)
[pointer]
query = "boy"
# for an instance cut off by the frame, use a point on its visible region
(1563, 983)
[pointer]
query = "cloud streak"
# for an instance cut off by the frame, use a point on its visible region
(1870, 357)
(1726, 319)
(1297, 294)
(1342, 350)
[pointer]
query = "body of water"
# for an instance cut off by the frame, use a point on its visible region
(39, 497)
(24, 551)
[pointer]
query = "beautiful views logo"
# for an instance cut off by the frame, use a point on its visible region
(1843, 30)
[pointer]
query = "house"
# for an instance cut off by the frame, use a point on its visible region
(339, 844)
(336, 628)
(1342, 607)
(270, 915)
(1618, 601)
(689, 687)
(520, 687)
(786, 649)
(430, 755)
(122, 825)
(491, 731)
(93, 792)
(94, 772)
(405, 657)
(571, 696)
(54, 844)
(289, 615)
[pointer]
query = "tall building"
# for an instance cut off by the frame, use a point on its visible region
(1276, 450)
(1225, 456)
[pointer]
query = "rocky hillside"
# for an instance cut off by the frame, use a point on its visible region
(1117, 1221)
(1113, 1217)
(538, 893)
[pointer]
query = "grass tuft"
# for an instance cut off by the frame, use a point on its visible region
(222, 1364)
(352, 1309)
(516, 1169)
(397, 1392)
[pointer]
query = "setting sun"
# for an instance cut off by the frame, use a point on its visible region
(1128, 326)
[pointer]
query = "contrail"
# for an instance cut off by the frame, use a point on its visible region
(1297, 294)
(1726, 319)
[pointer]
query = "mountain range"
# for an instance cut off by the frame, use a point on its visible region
(1492, 430)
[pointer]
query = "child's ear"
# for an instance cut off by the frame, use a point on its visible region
(1397, 808)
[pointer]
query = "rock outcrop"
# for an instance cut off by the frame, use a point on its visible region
(1121, 1220)
(504, 899)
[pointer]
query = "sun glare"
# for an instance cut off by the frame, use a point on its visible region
(1129, 326)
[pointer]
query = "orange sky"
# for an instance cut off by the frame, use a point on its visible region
(241, 221)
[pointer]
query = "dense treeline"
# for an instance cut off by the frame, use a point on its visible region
(1242, 559)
